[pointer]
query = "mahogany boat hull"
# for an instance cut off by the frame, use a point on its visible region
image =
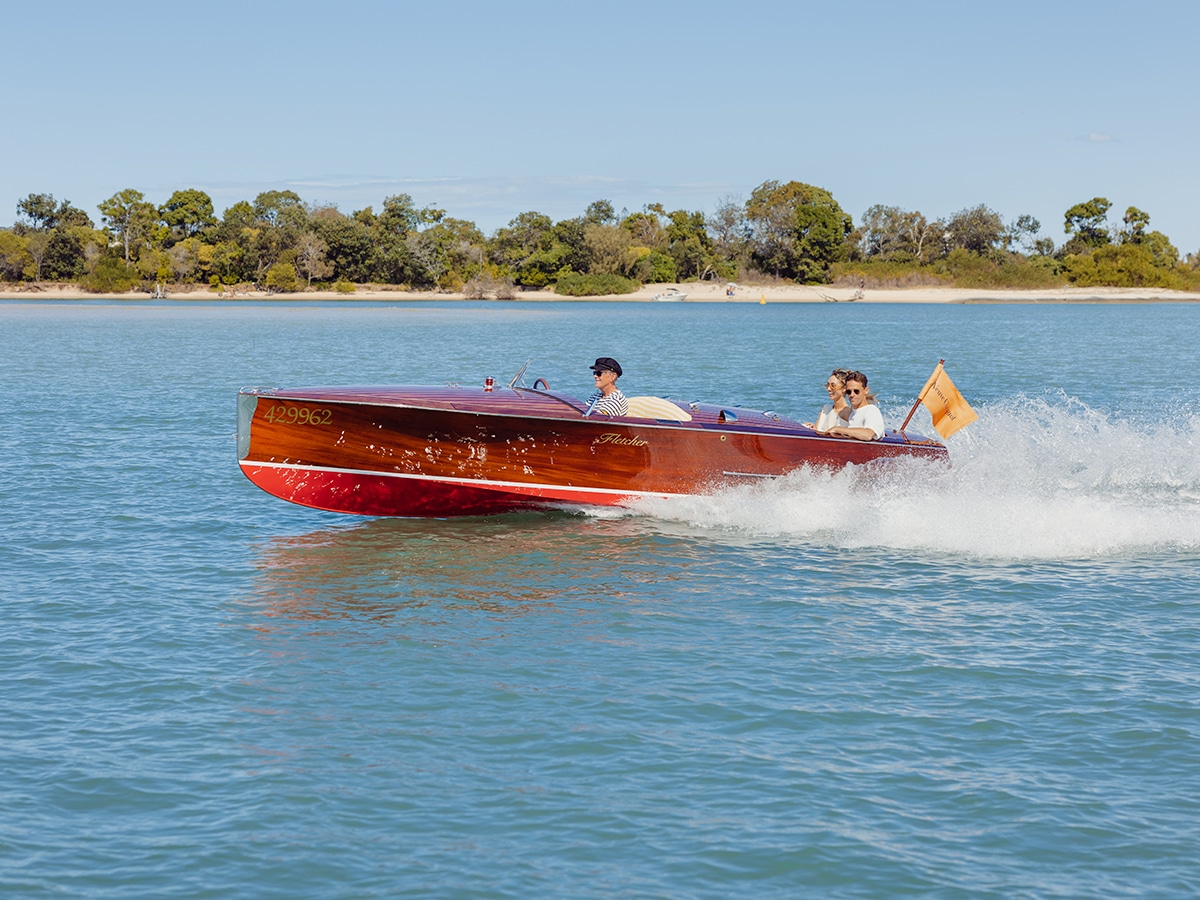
(440, 452)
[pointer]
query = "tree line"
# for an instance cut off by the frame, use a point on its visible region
(784, 232)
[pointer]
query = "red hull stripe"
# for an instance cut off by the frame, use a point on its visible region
(398, 494)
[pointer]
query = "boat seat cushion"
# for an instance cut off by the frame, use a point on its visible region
(656, 408)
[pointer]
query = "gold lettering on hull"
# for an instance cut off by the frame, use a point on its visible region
(297, 415)
(620, 441)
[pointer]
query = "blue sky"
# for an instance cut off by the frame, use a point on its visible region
(490, 109)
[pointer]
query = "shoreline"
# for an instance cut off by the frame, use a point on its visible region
(696, 293)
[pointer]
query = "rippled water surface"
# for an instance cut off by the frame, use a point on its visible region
(979, 681)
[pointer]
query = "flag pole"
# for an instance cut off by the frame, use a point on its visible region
(912, 411)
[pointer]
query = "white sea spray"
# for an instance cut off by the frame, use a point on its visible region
(1034, 478)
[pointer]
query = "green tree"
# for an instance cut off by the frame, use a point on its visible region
(446, 255)
(278, 219)
(730, 233)
(645, 230)
(689, 244)
(311, 260)
(277, 208)
(797, 230)
(431, 216)
(889, 233)
(648, 266)
(608, 249)
(93, 243)
(1161, 249)
(110, 276)
(348, 242)
(14, 256)
(1136, 223)
(1023, 233)
(570, 241)
(64, 255)
(426, 262)
(1043, 247)
(880, 236)
(400, 215)
(40, 212)
(282, 277)
(154, 264)
(37, 212)
(184, 259)
(390, 261)
(130, 216)
(600, 212)
(237, 218)
(187, 213)
(976, 230)
(1086, 223)
(72, 217)
(239, 249)
(657, 268)
(37, 243)
(462, 249)
(226, 263)
(529, 250)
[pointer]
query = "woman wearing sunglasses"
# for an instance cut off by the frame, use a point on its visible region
(866, 421)
(836, 411)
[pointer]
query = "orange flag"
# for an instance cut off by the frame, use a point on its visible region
(949, 409)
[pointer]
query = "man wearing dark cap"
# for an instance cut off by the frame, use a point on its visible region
(607, 400)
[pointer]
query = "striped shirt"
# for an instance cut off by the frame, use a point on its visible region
(614, 404)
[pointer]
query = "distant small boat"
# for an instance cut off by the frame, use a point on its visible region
(671, 294)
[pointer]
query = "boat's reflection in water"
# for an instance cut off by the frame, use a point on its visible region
(506, 565)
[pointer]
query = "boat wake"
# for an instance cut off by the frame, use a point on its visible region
(1032, 479)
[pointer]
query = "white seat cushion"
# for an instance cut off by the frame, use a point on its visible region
(656, 408)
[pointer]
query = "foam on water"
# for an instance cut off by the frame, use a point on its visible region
(1034, 478)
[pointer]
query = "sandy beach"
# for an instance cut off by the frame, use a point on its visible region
(696, 293)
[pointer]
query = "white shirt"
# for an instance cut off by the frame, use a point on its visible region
(828, 418)
(867, 416)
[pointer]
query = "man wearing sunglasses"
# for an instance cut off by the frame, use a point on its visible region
(866, 421)
(608, 399)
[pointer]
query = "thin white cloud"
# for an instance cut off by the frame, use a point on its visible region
(1099, 137)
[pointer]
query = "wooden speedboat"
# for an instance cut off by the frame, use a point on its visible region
(461, 451)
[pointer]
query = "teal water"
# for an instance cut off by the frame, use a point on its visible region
(974, 682)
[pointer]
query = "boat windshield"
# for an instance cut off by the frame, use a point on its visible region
(520, 376)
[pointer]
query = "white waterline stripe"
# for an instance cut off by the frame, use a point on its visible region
(468, 482)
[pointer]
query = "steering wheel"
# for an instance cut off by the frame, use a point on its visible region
(542, 382)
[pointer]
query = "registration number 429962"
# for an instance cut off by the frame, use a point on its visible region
(298, 415)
